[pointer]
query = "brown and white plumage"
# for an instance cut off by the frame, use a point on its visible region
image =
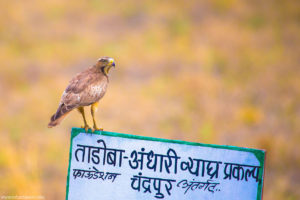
(85, 89)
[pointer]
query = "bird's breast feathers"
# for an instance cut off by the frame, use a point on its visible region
(97, 91)
(93, 93)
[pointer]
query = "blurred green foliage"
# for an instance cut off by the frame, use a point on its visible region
(223, 72)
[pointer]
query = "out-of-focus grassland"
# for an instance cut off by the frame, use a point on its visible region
(222, 72)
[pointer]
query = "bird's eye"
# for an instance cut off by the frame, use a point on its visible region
(104, 60)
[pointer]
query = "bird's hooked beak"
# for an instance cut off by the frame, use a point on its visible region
(112, 62)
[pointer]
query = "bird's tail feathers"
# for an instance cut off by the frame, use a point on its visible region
(60, 114)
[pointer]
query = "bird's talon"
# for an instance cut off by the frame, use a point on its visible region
(97, 129)
(86, 128)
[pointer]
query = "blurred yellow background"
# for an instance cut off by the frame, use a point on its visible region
(221, 72)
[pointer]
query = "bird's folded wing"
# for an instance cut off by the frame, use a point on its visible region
(81, 81)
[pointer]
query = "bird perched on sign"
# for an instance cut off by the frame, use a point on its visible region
(85, 89)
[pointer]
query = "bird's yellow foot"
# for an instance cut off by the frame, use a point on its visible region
(86, 127)
(95, 128)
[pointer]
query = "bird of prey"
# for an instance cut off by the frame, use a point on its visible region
(85, 89)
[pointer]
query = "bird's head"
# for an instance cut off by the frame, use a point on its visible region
(105, 63)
